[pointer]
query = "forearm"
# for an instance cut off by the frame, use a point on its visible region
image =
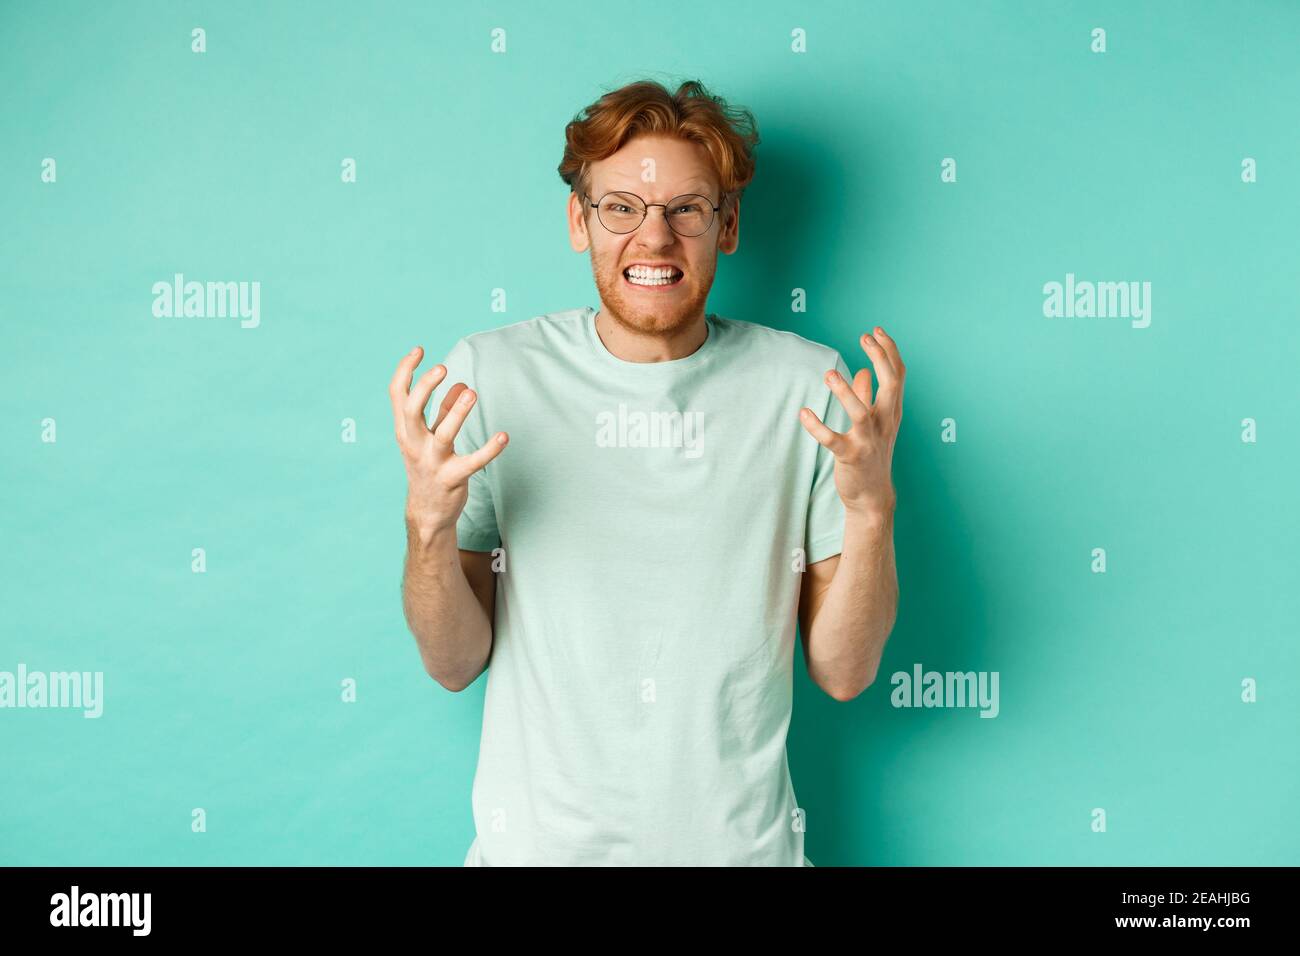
(450, 627)
(858, 609)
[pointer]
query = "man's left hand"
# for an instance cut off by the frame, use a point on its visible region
(864, 454)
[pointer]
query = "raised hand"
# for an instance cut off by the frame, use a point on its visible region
(437, 478)
(864, 454)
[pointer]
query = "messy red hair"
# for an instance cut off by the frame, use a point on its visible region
(729, 134)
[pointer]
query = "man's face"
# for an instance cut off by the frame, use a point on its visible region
(677, 168)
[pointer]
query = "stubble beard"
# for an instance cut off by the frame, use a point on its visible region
(675, 315)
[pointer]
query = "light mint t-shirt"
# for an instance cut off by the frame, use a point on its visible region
(654, 520)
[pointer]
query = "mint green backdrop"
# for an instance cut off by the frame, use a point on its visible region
(1119, 690)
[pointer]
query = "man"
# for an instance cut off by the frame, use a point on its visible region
(633, 562)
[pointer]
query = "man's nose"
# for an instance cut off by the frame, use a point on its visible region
(655, 226)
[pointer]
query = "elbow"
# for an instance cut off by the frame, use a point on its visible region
(447, 680)
(848, 691)
(454, 686)
(846, 694)
(456, 680)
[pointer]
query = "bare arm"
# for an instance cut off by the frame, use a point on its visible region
(848, 605)
(448, 594)
(448, 598)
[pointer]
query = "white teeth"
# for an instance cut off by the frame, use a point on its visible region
(640, 275)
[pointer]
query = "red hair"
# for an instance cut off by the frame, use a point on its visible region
(729, 134)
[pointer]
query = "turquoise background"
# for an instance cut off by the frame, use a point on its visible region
(1118, 690)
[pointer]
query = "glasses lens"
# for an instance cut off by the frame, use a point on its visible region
(620, 212)
(690, 215)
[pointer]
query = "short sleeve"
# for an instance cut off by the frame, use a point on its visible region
(824, 532)
(476, 529)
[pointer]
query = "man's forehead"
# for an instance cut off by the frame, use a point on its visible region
(614, 179)
(636, 167)
(632, 180)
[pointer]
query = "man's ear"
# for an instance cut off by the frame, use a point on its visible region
(729, 236)
(579, 238)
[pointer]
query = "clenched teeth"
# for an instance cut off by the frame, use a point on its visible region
(644, 275)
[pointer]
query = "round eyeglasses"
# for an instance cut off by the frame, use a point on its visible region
(687, 215)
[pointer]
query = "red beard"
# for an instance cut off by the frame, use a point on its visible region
(674, 315)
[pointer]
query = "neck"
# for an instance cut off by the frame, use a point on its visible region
(634, 344)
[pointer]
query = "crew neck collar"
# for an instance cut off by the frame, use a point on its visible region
(711, 329)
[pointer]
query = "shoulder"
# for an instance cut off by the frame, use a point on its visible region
(778, 345)
(518, 340)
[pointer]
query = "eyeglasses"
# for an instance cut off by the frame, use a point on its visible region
(686, 215)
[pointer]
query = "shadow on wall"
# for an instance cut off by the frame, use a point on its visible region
(797, 231)
(793, 233)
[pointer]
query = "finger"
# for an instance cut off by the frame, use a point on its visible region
(891, 348)
(884, 368)
(880, 359)
(862, 384)
(825, 436)
(858, 412)
(401, 381)
(418, 400)
(400, 385)
(449, 427)
(896, 358)
(453, 395)
(463, 466)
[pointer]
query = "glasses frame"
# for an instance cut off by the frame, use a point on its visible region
(586, 197)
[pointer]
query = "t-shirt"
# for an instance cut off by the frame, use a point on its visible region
(654, 520)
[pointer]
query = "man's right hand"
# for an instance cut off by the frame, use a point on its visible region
(437, 478)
